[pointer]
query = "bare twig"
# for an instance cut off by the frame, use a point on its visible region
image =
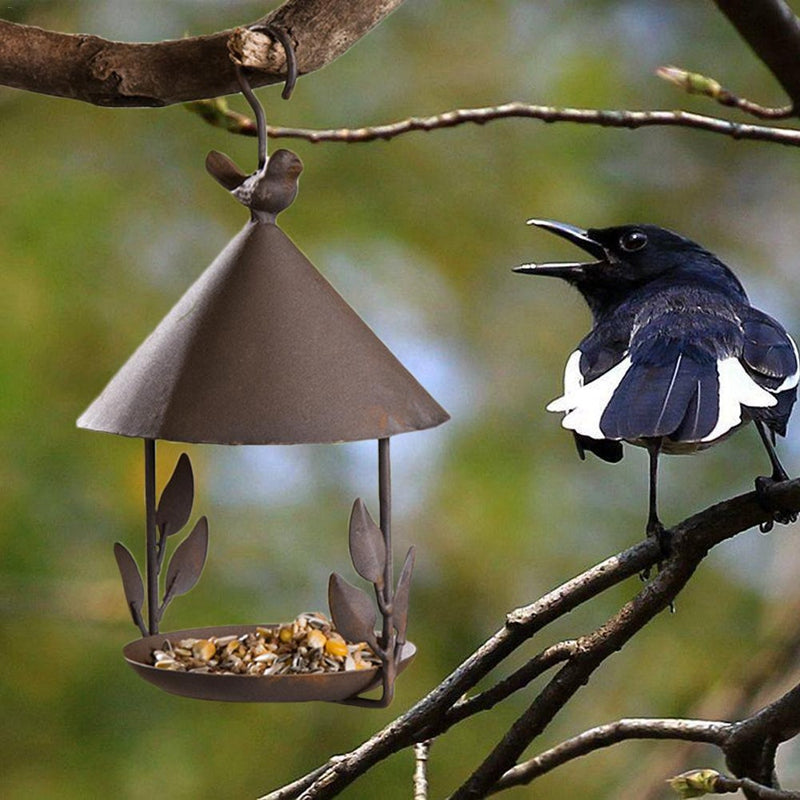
(421, 753)
(612, 733)
(695, 83)
(480, 116)
(700, 782)
(556, 654)
(757, 791)
(84, 67)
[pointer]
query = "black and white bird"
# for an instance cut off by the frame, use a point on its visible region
(677, 358)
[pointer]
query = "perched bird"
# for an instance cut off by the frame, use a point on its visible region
(677, 358)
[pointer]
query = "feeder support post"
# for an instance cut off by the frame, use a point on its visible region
(152, 550)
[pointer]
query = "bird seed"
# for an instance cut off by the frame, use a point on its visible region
(308, 645)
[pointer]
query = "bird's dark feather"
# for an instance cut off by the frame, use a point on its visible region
(605, 449)
(676, 398)
(767, 353)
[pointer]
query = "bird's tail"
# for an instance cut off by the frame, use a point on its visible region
(685, 396)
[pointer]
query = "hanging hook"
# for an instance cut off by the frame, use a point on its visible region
(258, 110)
(288, 48)
(247, 91)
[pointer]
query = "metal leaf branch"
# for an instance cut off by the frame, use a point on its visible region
(165, 519)
(748, 745)
(351, 608)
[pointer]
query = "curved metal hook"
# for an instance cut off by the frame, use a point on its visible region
(291, 59)
(291, 79)
(288, 48)
(258, 110)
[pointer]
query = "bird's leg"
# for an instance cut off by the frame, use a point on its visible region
(654, 526)
(763, 483)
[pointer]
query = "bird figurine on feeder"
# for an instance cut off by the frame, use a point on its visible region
(262, 350)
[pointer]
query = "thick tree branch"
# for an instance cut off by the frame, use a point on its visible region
(772, 30)
(752, 744)
(85, 67)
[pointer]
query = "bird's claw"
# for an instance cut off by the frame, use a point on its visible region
(657, 531)
(763, 485)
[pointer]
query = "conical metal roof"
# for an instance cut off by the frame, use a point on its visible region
(262, 350)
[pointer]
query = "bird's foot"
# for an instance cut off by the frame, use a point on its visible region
(657, 531)
(763, 485)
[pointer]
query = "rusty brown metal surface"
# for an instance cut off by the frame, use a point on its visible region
(262, 350)
(329, 687)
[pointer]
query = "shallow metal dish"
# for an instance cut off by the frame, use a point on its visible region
(331, 686)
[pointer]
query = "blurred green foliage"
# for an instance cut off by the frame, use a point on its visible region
(107, 216)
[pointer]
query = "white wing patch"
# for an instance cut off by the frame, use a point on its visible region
(736, 389)
(573, 377)
(584, 403)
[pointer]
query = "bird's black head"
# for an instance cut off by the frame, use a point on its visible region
(631, 256)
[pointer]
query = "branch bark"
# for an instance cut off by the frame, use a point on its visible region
(106, 73)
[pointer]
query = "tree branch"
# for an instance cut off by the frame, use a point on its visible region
(752, 744)
(606, 735)
(692, 540)
(106, 73)
(772, 30)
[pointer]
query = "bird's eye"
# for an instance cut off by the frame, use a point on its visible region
(632, 241)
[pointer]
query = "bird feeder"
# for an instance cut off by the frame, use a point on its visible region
(262, 350)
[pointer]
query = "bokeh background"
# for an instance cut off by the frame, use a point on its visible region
(107, 216)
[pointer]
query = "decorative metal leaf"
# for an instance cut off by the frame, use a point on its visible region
(187, 562)
(175, 504)
(352, 610)
(400, 603)
(367, 546)
(131, 581)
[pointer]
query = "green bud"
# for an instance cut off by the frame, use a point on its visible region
(695, 783)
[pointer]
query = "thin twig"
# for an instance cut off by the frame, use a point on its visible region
(695, 83)
(622, 730)
(480, 116)
(540, 663)
(760, 792)
(421, 753)
(701, 782)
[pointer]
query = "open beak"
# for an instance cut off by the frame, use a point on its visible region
(572, 234)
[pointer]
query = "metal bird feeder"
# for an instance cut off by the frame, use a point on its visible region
(262, 350)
